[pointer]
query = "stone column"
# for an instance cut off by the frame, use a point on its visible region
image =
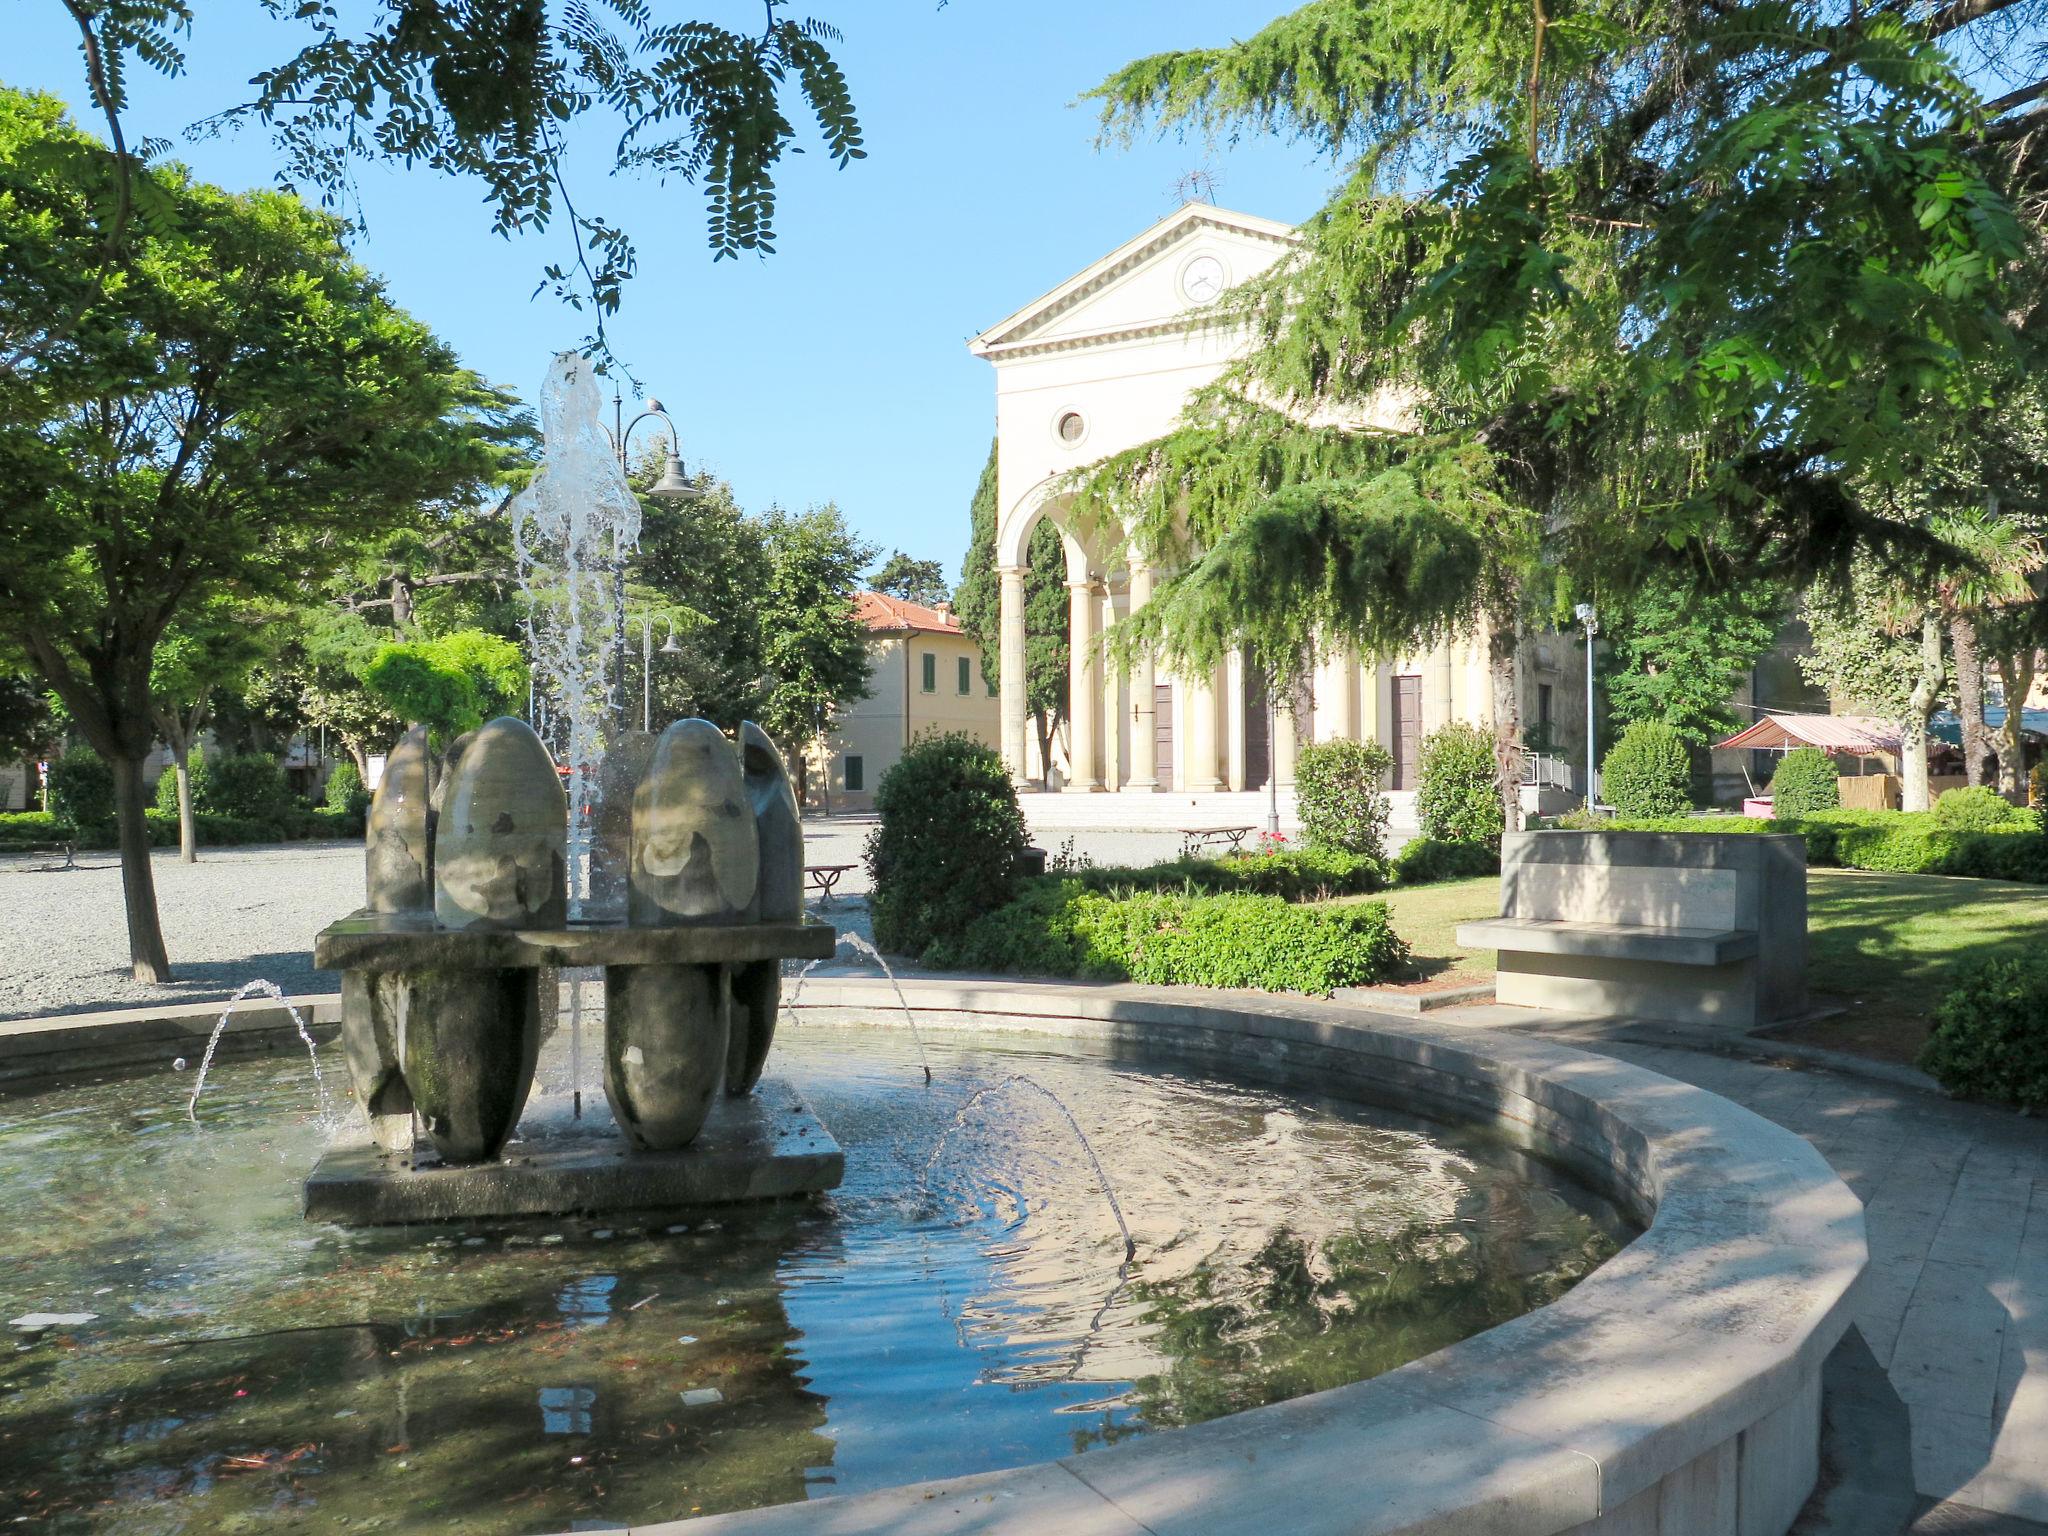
(1285, 744)
(1011, 673)
(1144, 776)
(1436, 689)
(1112, 702)
(1084, 689)
(1337, 696)
(1203, 749)
(1236, 729)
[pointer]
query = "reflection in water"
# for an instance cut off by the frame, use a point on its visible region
(248, 1372)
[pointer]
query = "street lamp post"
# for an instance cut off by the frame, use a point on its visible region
(1586, 616)
(668, 648)
(672, 486)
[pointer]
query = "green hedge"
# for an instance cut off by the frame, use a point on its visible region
(1058, 926)
(1990, 1037)
(1426, 860)
(1294, 874)
(1894, 842)
(39, 829)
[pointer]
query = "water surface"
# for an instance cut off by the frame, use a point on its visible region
(959, 1305)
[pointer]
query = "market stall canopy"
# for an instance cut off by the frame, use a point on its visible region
(1946, 727)
(1861, 735)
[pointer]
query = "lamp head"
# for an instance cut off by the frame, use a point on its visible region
(672, 486)
(1585, 615)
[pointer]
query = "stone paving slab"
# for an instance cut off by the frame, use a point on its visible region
(1955, 1303)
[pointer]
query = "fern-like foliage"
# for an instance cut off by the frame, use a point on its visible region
(488, 90)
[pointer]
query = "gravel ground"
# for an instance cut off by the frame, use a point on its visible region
(243, 913)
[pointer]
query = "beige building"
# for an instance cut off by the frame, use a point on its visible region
(924, 674)
(1103, 362)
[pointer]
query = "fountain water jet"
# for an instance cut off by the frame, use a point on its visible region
(271, 990)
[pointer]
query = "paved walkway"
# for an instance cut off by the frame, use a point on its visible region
(1954, 1307)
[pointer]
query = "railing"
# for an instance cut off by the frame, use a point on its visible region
(1542, 771)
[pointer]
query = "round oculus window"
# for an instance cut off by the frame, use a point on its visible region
(1071, 427)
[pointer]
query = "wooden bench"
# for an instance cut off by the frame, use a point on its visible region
(1194, 839)
(822, 878)
(1680, 927)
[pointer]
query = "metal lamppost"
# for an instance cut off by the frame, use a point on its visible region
(1586, 616)
(672, 486)
(668, 648)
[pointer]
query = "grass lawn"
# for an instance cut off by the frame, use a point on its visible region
(1883, 947)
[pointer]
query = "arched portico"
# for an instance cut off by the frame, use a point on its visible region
(1102, 363)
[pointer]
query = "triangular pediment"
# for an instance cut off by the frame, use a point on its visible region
(1147, 284)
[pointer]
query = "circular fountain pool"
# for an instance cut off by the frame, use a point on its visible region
(959, 1304)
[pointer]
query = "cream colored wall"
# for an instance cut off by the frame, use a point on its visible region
(898, 710)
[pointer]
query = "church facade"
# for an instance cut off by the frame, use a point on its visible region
(1106, 361)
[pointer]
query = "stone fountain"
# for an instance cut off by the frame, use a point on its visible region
(449, 980)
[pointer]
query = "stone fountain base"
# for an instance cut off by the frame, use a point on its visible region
(762, 1146)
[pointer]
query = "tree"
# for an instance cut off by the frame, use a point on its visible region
(207, 651)
(978, 603)
(450, 684)
(701, 568)
(1693, 278)
(1879, 656)
(915, 581)
(489, 90)
(817, 646)
(2000, 556)
(1679, 653)
(241, 405)
(27, 725)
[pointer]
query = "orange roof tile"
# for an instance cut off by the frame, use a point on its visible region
(879, 611)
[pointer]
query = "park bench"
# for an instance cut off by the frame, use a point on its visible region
(1195, 839)
(822, 878)
(1679, 927)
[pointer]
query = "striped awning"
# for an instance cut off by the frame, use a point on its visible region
(1861, 735)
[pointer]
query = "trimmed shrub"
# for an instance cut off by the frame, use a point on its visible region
(1338, 795)
(1293, 874)
(82, 792)
(1061, 928)
(1648, 772)
(1806, 781)
(2037, 786)
(1458, 800)
(167, 785)
(1975, 809)
(345, 791)
(1891, 842)
(250, 787)
(1425, 860)
(1990, 1037)
(945, 851)
(32, 829)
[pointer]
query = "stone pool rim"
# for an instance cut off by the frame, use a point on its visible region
(1677, 1388)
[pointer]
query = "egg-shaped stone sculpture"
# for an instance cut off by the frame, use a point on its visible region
(780, 898)
(501, 846)
(695, 853)
(665, 1038)
(398, 874)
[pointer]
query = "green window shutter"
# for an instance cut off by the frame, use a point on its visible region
(931, 672)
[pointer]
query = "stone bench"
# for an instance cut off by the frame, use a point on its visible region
(1683, 927)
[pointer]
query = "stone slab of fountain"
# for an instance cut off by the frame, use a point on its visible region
(765, 1145)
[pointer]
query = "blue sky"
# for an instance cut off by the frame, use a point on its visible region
(835, 369)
